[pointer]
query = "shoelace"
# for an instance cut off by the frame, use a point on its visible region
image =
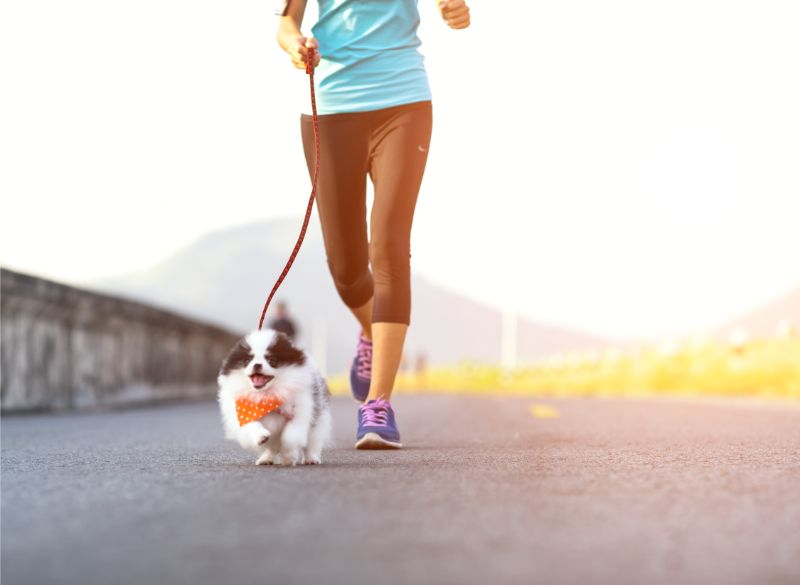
(364, 359)
(375, 413)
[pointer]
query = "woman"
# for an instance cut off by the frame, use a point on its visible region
(375, 119)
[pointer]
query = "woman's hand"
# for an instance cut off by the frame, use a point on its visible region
(299, 49)
(454, 12)
(292, 40)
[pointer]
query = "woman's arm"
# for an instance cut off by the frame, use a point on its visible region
(292, 40)
(454, 12)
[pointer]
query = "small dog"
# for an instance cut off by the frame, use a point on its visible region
(273, 400)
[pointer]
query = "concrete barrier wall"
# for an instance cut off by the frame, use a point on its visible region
(66, 348)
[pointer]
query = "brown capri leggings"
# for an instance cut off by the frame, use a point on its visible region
(391, 146)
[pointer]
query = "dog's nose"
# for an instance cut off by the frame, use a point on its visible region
(256, 367)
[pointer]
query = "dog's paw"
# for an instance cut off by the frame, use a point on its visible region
(291, 457)
(312, 459)
(267, 458)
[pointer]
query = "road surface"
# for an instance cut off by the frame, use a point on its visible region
(587, 491)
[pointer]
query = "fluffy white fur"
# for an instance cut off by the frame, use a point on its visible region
(297, 432)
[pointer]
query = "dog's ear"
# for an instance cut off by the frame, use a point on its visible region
(284, 352)
(238, 357)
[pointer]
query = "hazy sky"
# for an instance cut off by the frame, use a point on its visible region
(630, 168)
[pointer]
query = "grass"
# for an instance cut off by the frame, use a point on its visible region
(761, 367)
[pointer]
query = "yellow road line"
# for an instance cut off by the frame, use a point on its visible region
(543, 411)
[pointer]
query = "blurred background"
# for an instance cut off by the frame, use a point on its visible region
(611, 204)
(611, 209)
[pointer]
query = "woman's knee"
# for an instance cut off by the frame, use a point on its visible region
(390, 257)
(353, 283)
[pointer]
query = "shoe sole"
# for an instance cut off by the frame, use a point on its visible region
(375, 441)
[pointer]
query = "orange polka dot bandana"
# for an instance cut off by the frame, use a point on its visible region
(249, 409)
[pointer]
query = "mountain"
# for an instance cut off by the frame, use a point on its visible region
(225, 276)
(764, 320)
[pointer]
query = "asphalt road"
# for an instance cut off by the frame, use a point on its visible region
(639, 492)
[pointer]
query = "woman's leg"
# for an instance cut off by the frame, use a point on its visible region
(399, 152)
(341, 205)
(387, 351)
(363, 315)
(394, 154)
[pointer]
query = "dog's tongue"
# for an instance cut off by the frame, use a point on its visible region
(259, 380)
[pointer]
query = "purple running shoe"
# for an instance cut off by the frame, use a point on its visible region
(377, 428)
(361, 368)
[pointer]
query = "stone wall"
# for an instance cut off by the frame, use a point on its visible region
(66, 348)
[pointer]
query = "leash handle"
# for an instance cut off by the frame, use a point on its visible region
(310, 72)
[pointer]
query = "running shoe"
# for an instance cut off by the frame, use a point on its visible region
(377, 428)
(361, 368)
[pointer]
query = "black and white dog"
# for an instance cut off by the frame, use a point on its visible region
(264, 370)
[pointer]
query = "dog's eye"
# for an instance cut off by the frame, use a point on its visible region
(272, 362)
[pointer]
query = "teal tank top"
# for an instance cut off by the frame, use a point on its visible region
(370, 57)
